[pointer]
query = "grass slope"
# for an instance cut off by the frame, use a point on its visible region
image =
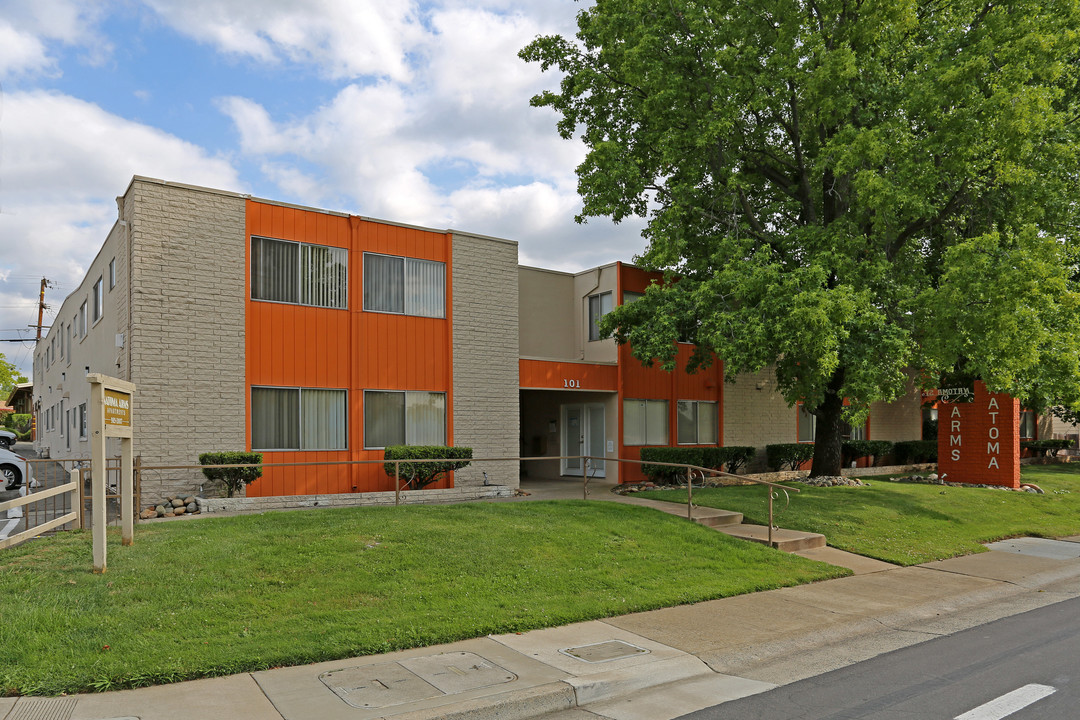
(218, 596)
(909, 524)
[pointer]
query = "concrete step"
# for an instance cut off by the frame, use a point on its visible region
(716, 518)
(786, 540)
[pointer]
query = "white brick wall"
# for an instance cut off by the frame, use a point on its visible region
(187, 327)
(485, 325)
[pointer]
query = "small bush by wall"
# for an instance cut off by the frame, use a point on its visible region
(235, 478)
(443, 459)
(855, 449)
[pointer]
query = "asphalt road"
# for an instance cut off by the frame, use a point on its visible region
(1024, 667)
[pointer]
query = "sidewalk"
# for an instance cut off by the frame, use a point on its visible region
(657, 664)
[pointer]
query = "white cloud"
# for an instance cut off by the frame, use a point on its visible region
(28, 28)
(345, 38)
(458, 146)
(65, 161)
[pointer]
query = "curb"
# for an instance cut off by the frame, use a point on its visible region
(566, 694)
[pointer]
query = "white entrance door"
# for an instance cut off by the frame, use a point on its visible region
(582, 434)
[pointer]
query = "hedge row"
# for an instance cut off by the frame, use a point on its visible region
(727, 459)
(915, 451)
(788, 455)
(1049, 448)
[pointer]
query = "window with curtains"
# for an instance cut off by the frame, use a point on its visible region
(404, 417)
(298, 419)
(698, 422)
(645, 422)
(299, 273)
(405, 286)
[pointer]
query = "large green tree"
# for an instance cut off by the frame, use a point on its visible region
(841, 189)
(9, 377)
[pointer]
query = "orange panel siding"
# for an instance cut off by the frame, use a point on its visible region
(308, 347)
(639, 382)
(550, 374)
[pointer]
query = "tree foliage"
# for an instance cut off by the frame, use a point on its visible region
(843, 190)
(9, 377)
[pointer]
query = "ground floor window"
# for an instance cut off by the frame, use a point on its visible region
(1027, 425)
(298, 419)
(698, 422)
(645, 422)
(807, 425)
(404, 417)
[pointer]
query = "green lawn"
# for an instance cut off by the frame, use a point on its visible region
(223, 595)
(909, 524)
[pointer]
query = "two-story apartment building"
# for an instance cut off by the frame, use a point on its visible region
(315, 336)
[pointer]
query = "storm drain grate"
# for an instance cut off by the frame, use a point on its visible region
(420, 678)
(604, 651)
(43, 709)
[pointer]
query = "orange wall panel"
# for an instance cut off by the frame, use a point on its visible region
(298, 346)
(550, 374)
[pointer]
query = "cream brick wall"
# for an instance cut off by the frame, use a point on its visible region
(485, 327)
(899, 420)
(187, 327)
(755, 414)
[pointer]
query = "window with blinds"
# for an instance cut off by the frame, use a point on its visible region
(405, 286)
(399, 417)
(298, 419)
(299, 273)
(645, 422)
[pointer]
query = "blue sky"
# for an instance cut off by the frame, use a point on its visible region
(411, 111)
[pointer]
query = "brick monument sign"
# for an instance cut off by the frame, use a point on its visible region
(979, 437)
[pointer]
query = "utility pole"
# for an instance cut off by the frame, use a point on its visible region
(41, 305)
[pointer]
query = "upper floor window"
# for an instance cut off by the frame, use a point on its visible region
(599, 306)
(81, 320)
(112, 273)
(629, 296)
(299, 273)
(699, 422)
(99, 300)
(406, 286)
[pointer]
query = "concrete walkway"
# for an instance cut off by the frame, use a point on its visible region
(655, 665)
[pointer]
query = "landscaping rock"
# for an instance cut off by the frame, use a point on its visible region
(189, 500)
(192, 507)
(831, 481)
(177, 502)
(160, 510)
(180, 510)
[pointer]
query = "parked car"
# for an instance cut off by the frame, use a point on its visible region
(14, 470)
(7, 439)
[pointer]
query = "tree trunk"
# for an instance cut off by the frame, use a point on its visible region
(828, 456)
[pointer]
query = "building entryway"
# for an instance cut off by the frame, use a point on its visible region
(582, 434)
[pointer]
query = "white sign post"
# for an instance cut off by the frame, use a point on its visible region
(110, 416)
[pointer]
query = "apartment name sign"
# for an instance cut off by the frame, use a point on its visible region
(117, 408)
(979, 441)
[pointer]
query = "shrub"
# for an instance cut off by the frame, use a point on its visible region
(233, 478)
(791, 455)
(442, 460)
(665, 475)
(729, 459)
(855, 449)
(19, 423)
(1048, 448)
(915, 451)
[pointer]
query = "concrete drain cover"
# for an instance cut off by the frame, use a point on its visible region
(386, 684)
(604, 651)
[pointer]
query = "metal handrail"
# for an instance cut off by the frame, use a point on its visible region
(586, 460)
